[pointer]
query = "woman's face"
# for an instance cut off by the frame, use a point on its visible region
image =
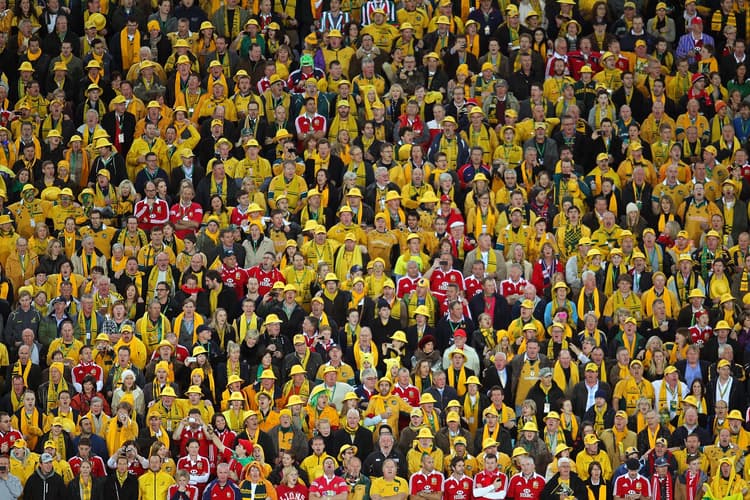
(601, 10)
(131, 292)
(220, 423)
(424, 368)
(221, 317)
(216, 204)
(696, 388)
(267, 359)
(666, 206)
(353, 31)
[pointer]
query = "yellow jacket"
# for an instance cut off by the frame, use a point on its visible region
(154, 485)
(138, 354)
(22, 470)
(414, 458)
(378, 405)
(117, 434)
(23, 213)
(141, 147)
(584, 459)
(7, 246)
(72, 353)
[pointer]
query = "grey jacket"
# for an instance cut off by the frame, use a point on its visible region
(10, 488)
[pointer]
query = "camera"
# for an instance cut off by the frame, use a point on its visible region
(3, 468)
(191, 420)
(443, 262)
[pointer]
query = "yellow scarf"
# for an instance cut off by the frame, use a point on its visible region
(243, 326)
(471, 413)
(457, 383)
(360, 356)
(130, 49)
(87, 334)
(235, 31)
(197, 321)
(53, 391)
(24, 373)
(663, 398)
(152, 333)
(563, 381)
(345, 260)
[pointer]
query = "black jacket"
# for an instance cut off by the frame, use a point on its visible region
(448, 395)
(553, 398)
(97, 488)
(292, 323)
(113, 489)
(116, 168)
(736, 395)
(579, 397)
(203, 192)
(492, 379)
(127, 128)
(643, 438)
(178, 175)
(53, 487)
(362, 439)
(501, 313)
(552, 488)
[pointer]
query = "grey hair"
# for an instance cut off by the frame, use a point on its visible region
(445, 176)
(587, 274)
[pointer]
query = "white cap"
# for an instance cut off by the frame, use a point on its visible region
(458, 223)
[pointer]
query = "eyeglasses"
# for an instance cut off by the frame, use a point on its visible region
(291, 150)
(162, 289)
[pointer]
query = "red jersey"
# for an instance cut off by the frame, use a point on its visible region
(430, 483)
(520, 487)
(188, 434)
(199, 470)
(577, 60)
(410, 394)
(305, 124)
(329, 487)
(458, 489)
(625, 485)
(238, 217)
(444, 307)
(235, 278)
(80, 371)
(192, 212)
(508, 287)
(192, 491)
(135, 468)
(97, 465)
(484, 479)
(265, 279)
(440, 280)
(473, 286)
(416, 124)
(214, 457)
(10, 437)
(151, 216)
(217, 492)
(298, 492)
(700, 337)
(405, 286)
